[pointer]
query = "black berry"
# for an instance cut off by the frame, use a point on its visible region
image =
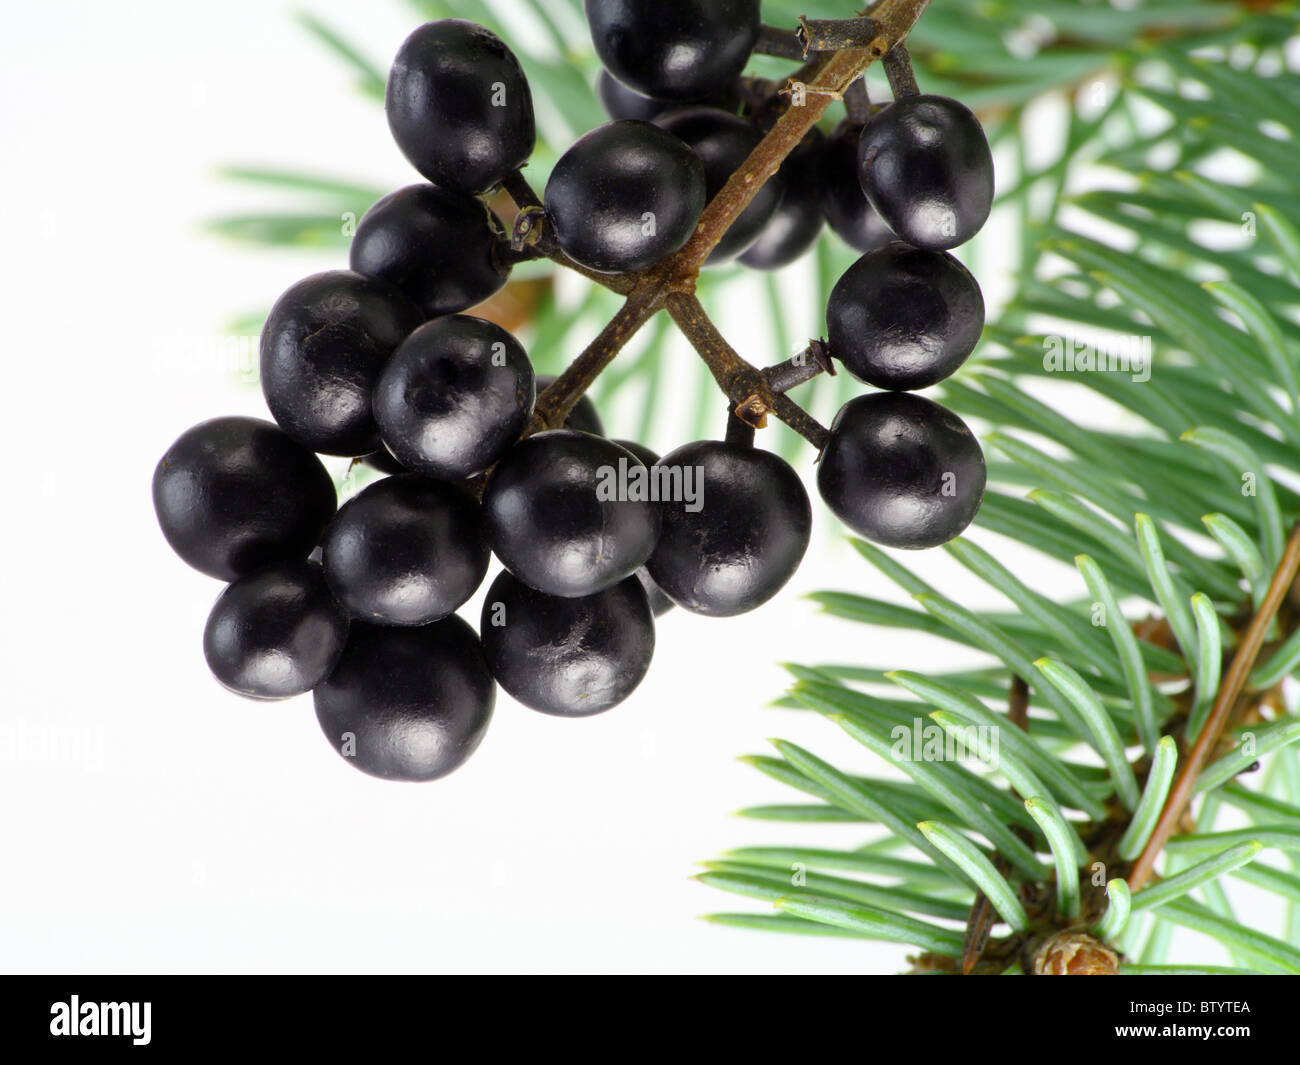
(323, 346)
(901, 470)
(847, 210)
(406, 550)
(583, 416)
(454, 396)
(621, 102)
(384, 461)
(736, 549)
(407, 703)
(459, 106)
(902, 318)
(723, 141)
(439, 247)
(674, 49)
(925, 165)
(275, 633)
(567, 656)
(557, 515)
(235, 494)
(624, 196)
(797, 222)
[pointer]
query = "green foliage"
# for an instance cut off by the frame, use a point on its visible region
(1205, 267)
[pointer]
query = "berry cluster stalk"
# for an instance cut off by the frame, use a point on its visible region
(670, 285)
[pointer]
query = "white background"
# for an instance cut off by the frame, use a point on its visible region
(154, 822)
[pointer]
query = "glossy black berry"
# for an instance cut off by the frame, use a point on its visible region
(235, 494)
(384, 461)
(660, 604)
(925, 165)
(406, 550)
(567, 656)
(454, 396)
(797, 222)
(674, 49)
(741, 539)
(645, 455)
(845, 206)
(624, 196)
(407, 703)
(723, 141)
(459, 106)
(621, 102)
(901, 470)
(440, 247)
(275, 633)
(903, 318)
(323, 346)
(565, 515)
(583, 416)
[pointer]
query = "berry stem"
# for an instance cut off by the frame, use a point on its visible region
(898, 68)
(800, 368)
(739, 433)
(857, 101)
(782, 43)
(520, 190)
(538, 242)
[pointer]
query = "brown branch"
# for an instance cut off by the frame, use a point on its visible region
(554, 404)
(743, 383)
(743, 185)
(834, 34)
(740, 382)
(891, 21)
(1234, 681)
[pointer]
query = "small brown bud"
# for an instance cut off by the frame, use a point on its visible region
(1075, 954)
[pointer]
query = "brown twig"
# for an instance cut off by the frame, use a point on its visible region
(743, 383)
(554, 404)
(1234, 681)
(832, 35)
(799, 369)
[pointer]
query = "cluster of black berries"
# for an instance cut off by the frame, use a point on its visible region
(357, 603)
